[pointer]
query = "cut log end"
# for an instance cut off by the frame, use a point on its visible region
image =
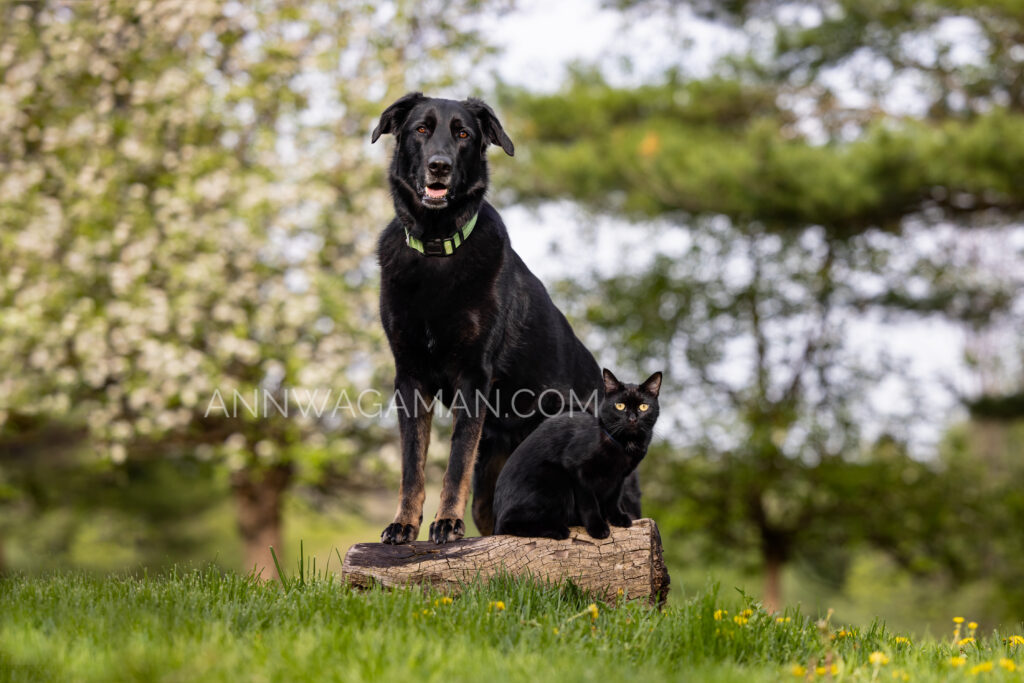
(628, 563)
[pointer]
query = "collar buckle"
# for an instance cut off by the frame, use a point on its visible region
(434, 247)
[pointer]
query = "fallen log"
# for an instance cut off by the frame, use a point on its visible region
(629, 560)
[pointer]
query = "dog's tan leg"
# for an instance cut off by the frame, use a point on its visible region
(414, 428)
(448, 525)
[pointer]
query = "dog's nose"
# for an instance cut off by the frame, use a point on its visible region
(439, 164)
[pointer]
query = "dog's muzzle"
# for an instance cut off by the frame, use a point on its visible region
(438, 176)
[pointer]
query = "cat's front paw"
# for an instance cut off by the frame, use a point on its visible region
(620, 519)
(599, 531)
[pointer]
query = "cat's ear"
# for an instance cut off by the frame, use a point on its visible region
(652, 385)
(611, 385)
(394, 116)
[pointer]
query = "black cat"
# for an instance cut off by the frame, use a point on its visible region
(570, 471)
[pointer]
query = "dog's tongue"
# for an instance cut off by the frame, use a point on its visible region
(438, 193)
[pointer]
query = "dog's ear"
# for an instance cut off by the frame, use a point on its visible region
(652, 385)
(611, 384)
(489, 124)
(394, 116)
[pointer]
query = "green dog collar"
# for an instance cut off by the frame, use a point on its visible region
(442, 247)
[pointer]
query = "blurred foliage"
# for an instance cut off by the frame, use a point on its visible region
(802, 210)
(722, 147)
(61, 509)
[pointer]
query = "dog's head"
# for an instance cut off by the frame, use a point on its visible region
(440, 159)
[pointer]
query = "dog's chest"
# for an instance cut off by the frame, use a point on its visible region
(440, 318)
(457, 330)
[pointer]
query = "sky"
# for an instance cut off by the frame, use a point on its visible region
(539, 40)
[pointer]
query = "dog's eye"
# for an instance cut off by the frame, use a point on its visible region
(463, 134)
(620, 406)
(422, 130)
(643, 407)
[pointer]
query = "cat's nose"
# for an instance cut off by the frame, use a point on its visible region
(632, 419)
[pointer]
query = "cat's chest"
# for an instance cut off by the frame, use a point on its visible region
(612, 457)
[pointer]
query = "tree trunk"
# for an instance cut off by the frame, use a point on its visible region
(629, 560)
(259, 494)
(772, 584)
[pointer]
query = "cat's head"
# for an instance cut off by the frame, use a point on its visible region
(629, 409)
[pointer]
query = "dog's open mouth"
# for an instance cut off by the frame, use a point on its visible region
(435, 195)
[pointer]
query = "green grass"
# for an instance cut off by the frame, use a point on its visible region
(206, 625)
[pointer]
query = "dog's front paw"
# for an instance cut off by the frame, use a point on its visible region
(398, 533)
(599, 531)
(446, 530)
(621, 519)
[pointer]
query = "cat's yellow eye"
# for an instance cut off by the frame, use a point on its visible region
(620, 406)
(643, 407)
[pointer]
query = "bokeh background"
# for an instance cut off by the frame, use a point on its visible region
(808, 214)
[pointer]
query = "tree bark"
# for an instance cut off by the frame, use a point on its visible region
(259, 494)
(629, 560)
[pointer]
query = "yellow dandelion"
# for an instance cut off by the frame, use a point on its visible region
(1014, 640)
(958, 620)
(740, 620)
(901, 640)
(834, 670)
(965, 641)
(783, 620)
(900, 675)
(747, 613)
(819, 671)
(957, 661)
(592, 609)
(1008, 664)
(555, 630)
(981, 668)
(973, 626)
(426, 612)
(798, 670)
(878, 658)
(496, 605)
(720, 614)
(446, 600)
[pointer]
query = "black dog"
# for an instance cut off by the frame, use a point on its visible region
(463, 315)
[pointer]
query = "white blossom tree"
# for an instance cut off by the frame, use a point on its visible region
(188, 208)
